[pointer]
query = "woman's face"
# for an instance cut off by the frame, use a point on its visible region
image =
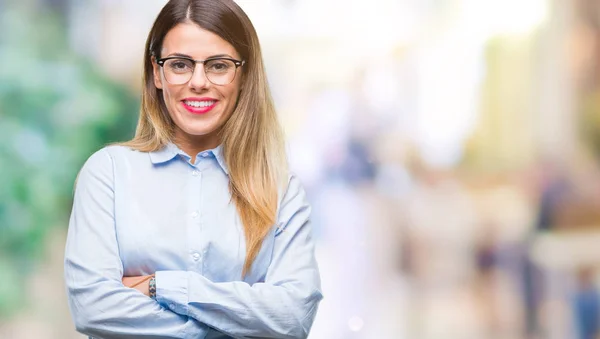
(198, 108)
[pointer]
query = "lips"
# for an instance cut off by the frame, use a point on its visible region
(199, 105)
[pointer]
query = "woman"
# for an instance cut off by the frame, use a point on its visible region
(197, 212)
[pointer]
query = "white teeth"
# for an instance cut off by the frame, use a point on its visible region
(199, 103)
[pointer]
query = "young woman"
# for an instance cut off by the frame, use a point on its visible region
(194, 229)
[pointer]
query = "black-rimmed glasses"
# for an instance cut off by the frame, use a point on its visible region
(219, 70)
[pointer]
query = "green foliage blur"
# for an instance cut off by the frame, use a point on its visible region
(56, 108)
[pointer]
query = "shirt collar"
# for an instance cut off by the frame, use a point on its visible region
(170, 151)
(218, 152)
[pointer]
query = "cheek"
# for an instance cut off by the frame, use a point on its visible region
(233, 97)
(168, 94)
(233, 94)
(171, 103)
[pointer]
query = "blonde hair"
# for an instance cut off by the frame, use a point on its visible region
(252, 138)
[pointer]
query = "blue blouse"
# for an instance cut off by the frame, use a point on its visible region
(138, 213)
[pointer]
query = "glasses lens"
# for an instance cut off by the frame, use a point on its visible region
(178, 71)
(220, 71)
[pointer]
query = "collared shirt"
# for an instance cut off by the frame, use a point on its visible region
(137, 213)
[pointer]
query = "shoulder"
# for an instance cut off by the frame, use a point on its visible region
(294, 184)
(102, 162)
(293, 192)
(117, 156)
(106, 156)
(120, 152)
(293, 204)
(98, 161)
(97, 169)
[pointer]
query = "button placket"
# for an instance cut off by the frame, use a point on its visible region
(194, 216)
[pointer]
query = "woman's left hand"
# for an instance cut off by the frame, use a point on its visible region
(140, 283)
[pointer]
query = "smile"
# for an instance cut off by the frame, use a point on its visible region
(199, 103)
(199, 106)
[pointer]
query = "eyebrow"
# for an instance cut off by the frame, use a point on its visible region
(188, 56)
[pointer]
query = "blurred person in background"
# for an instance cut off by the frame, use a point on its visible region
(568, 206)
(194, 228)
(586, 305)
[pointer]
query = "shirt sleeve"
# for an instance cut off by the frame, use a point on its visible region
(101, 306)
(283, 306)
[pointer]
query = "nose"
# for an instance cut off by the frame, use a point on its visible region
(199, 80)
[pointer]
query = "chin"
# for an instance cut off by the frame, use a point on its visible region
(198, 133)
(198, 129)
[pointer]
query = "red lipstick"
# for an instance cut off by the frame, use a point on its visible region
(199, 105)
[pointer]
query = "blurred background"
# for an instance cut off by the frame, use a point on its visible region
(450, 149)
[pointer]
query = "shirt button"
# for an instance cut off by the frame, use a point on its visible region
(196, 256)
(195, 173)
(195, 214)
(204, 155)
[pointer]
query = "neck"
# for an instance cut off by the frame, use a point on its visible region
(194, 144)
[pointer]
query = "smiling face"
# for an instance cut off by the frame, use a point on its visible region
(198, 108)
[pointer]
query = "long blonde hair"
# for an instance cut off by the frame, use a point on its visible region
(252, 138)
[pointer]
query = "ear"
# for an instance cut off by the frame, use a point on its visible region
(156, 71)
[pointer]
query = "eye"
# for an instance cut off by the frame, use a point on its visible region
(179, 65)
(219, 66)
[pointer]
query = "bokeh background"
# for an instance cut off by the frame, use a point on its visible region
(450, 149)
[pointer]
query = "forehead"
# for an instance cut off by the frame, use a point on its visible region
(192, 40)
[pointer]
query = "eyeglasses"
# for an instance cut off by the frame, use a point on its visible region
(219, 71)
